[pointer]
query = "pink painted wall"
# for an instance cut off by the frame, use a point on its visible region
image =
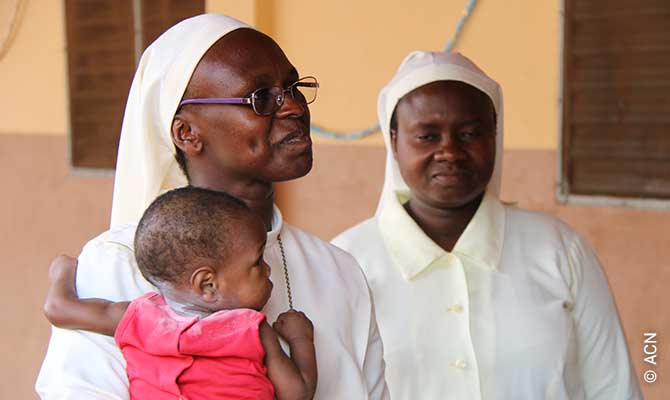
(46, 210)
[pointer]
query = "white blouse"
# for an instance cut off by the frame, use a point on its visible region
(326, 284)
(520, 309)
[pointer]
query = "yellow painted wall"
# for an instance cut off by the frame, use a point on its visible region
(244, 10)
(352, 46)
(33, 97)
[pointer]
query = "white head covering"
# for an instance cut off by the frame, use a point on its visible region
(421, 68)
(145, 166)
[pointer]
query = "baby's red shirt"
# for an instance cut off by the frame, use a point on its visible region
(169, 356)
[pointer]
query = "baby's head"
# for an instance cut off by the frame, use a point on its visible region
(204, 251)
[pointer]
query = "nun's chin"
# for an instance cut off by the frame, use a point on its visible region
(301, 165)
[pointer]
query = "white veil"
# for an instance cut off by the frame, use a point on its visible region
(145, 165)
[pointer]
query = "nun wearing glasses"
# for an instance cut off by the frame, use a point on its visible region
(216, 104)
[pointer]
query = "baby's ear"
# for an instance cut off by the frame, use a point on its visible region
(203, 282)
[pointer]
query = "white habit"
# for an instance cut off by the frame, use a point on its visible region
(520, 308)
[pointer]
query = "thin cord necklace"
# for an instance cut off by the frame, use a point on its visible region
(288, 282)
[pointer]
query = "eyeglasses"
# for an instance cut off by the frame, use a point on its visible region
(266, 101)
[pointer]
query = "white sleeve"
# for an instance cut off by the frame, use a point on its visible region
(605, 364)
(85, 365)
(373, 365)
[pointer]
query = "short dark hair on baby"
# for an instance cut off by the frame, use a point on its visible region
(182, 228)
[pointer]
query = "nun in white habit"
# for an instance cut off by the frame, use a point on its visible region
(316, 277)
(476, 299)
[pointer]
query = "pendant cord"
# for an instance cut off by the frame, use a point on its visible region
(288, 282)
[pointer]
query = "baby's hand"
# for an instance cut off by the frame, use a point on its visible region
(294, 325)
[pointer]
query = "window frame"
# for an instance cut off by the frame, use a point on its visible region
(140, 41)
(562, 192)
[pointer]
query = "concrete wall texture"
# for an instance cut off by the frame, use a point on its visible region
(353, 47)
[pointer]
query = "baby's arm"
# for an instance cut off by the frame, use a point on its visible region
(65, 310)
(295, 377)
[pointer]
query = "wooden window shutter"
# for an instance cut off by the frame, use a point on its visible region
(616, 98)
(101, 56)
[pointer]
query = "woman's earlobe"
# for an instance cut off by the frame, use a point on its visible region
(185, 137)
(394, 142)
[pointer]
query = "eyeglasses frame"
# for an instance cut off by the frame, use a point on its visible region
(250, 98)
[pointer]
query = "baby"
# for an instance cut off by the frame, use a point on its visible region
(203, 336)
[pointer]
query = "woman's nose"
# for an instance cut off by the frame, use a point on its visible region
(450, 150)
(290, 107)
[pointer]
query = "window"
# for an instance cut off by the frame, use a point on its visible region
(616, 100)
(104, 41)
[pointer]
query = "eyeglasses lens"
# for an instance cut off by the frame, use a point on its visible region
(267, 101)
(304, 90)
